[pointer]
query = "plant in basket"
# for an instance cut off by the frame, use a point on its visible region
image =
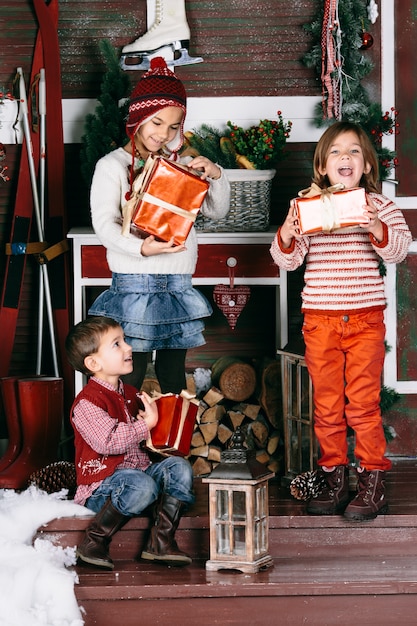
(258, 147)
(249, 157)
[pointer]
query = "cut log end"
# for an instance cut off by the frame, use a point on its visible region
(238, 382)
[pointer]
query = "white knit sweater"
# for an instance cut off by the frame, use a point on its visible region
(342, 268)
(108, 195)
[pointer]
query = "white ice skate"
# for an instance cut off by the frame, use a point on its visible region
(168, 37)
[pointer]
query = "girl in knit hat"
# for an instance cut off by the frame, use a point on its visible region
(151, 295)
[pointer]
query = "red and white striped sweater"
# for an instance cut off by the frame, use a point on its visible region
(342, 268)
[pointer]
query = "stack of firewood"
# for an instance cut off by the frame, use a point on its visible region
(247, 396)
(217, 421)
(242, 395)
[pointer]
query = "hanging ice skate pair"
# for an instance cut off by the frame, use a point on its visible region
(168, 37)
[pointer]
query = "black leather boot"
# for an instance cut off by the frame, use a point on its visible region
(94, 549)
(370, 500)
(334, 496)
(161, 546)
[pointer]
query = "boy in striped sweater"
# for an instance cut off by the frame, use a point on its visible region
(343, 302)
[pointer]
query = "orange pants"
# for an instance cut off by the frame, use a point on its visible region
(345, 356)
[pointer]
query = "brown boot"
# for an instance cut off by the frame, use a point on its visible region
(161, 546)
(94, 549)
(335, 494)
(370, 500)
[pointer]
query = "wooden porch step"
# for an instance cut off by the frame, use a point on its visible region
(319, 591)
(327, 571)
(289, 535)
(291, 530)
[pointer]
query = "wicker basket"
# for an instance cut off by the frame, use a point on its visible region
(250, 195)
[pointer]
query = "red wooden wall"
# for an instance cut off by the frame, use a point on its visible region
(406, 95)
(249, 47)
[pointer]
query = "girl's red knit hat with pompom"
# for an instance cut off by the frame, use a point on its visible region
(157, 89)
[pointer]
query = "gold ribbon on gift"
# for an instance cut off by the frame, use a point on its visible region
(167, 205)
(329, 213)
(130, 206)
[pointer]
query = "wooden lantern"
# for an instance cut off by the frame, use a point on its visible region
(238, 510)
(297, 393)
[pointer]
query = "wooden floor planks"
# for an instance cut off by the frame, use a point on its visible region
(326, 572)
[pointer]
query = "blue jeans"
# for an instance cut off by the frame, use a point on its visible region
(133, 490)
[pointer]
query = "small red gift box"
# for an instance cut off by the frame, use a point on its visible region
(329, 211)
(174, 430)
(169, 197)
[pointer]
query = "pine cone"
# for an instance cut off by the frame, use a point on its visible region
(54, 477)
(307, 485)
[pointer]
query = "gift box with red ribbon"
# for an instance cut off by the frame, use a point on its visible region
(174, 430)
(330, 209)
(166, 200)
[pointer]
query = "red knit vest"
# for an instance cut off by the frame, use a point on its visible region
(91, 466)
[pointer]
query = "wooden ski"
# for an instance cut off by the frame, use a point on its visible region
(55, 219)
(20, 237)
(46, 55)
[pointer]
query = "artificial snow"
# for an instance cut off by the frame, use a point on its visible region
(36, 586)
(202, 379)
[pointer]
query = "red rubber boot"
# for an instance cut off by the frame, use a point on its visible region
(8, 387)
(40, 402)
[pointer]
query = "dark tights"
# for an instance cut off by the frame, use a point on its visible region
(169, 369)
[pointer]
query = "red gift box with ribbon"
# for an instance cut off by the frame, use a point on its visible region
(174, 430)
(327, 210)
(166, 199)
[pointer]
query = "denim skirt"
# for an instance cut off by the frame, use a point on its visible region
(156, 311)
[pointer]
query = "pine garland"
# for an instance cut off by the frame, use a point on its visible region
(105, 129)
(356, 104)
(389, 397)
(207, 140)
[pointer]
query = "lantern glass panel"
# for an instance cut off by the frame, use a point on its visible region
(300, 424)
(300, 443)
(239, 506)
(300, 451)
(260, 502)
(222, 539)
(222, 504)
(239, 540)
(260, 537)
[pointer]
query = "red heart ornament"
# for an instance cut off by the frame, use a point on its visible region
(231, 301)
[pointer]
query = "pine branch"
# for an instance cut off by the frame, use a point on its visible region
(388, 398)
(105, 129)
(207, 141)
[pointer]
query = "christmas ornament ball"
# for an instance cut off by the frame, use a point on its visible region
(367, 41)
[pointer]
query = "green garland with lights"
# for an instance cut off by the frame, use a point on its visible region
(356, 104)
